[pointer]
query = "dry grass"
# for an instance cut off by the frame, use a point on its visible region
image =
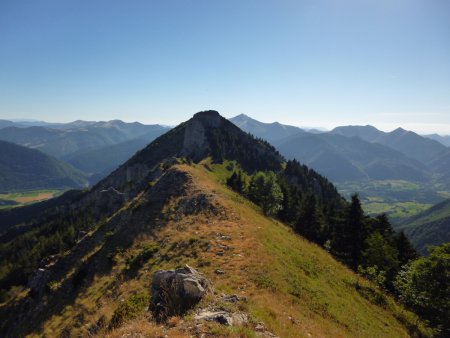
(141, 328)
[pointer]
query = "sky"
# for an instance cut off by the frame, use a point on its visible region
(315, 63)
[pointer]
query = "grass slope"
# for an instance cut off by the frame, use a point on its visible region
(296, 288)
(431, 227)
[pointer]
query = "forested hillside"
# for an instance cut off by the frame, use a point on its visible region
(26, 169)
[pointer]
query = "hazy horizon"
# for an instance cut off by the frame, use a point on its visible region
(307, 63)
(308, 127)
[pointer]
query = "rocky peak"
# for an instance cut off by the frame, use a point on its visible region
(195, 142)
(209, 118)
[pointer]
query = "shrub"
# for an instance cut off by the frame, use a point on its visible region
(147, 252)
(129, 309)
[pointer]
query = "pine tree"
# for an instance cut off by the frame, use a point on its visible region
(349, 232)
(308, 223)
(406, 251)
(290, 203)
(355, 227)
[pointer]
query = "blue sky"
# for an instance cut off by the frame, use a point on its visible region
(307, 63)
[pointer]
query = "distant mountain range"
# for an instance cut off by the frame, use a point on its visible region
(22, 168)
(352, 153)
(409, 143)
(93, 147)
(346, 153)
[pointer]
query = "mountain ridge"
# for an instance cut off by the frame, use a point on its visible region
(170, 204)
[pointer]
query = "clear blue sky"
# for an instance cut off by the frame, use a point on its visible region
(307, 63)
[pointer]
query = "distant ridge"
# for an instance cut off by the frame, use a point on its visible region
(408, 142)
(444, 139)
(368, 133)
(267, 131)
(24, 169)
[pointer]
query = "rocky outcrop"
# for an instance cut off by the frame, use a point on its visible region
(196, 204)
(176, 291)
(195, 143)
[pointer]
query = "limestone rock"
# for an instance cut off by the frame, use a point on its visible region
(176, 291)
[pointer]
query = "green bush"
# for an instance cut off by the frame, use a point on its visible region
(129, 309)
(147, 252)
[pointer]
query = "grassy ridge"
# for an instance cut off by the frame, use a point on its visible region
(296, 288)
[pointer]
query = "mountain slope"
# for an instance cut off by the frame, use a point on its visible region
(267, 131)
(295, 288)
(347, 159)
(431, 227)
(22, 169)
(84, 264)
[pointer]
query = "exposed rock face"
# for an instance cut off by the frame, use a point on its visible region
(176, 291)
(195, 143)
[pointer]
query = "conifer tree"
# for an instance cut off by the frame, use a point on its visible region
(308, 223)
(406, 251)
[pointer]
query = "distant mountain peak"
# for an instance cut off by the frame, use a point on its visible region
(271, 132)
(399, 130)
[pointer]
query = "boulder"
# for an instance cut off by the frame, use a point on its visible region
(176, 291)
